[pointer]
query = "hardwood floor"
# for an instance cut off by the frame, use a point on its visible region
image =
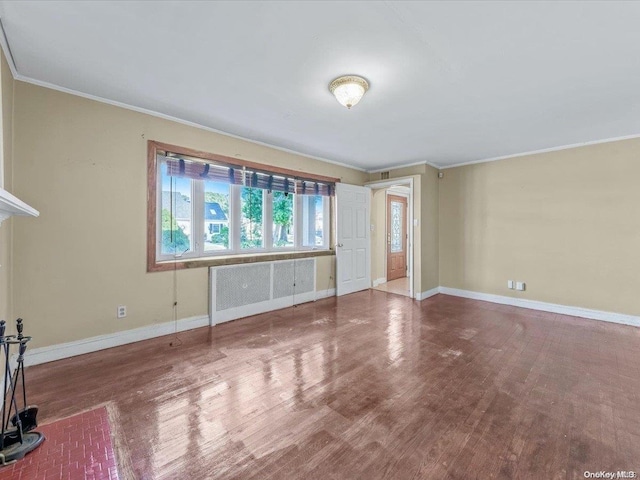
(371, 385)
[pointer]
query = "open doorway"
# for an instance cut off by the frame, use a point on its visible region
(392, 236)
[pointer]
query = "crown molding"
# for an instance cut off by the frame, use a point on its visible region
(544, 150)
(404, 165)
(4, 43)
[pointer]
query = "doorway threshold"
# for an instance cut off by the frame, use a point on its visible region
(399, 286)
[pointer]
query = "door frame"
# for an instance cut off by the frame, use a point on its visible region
(406, 181)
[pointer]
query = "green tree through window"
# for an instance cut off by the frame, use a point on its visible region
(282, 219)
(251, 231)
(174, 240)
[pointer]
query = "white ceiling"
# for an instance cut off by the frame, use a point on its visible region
(451, 82)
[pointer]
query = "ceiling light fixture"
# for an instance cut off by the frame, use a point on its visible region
(349, 89)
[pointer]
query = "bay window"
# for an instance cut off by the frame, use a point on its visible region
(209, 208)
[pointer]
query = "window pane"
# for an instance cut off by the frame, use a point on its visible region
(283, 219)
(175, 214)
(396, 227)
(312, 221)
(216, 216)
(251, 231)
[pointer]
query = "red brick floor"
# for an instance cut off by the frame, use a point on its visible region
(77, 447)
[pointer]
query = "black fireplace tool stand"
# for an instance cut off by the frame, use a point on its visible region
(17, 437)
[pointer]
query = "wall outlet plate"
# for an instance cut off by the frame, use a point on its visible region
(122, 311)
(520, 286)
(510, 284)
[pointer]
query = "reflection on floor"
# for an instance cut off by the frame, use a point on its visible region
(366, 386)
(399, 286)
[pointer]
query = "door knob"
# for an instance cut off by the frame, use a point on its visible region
(340, 245)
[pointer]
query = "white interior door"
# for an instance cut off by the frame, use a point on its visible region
(353, 240)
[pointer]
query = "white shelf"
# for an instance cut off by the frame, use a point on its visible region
(11, 205)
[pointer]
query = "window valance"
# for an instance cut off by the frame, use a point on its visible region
(248, 176)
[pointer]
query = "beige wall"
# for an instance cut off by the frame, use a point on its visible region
(83, 165)
(567, 223)
(6, 85)
(378, 238)
(429, 226)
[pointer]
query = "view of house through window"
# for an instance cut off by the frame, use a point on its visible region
(216, 216)
(238, 211)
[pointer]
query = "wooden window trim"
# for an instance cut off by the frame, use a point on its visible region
(236, 162)
(153, 265)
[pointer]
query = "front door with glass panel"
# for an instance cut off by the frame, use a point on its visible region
(396, 237)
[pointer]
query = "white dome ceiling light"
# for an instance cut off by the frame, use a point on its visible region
(349, 89)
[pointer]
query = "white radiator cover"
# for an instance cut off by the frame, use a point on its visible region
(238, 291)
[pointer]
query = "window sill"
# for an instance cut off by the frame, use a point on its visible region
(236, 260)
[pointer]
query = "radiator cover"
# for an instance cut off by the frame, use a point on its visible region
(237, 291)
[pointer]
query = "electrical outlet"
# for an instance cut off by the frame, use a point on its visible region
(122, 311)
(520, 286)
(510, 284)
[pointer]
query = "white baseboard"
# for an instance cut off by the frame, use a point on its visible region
(331, 292)
(379, 281)
(546, 307)
(427, 294)
(79, 347)
(101, 342)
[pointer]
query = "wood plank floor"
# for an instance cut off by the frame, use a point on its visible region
(371, 385)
